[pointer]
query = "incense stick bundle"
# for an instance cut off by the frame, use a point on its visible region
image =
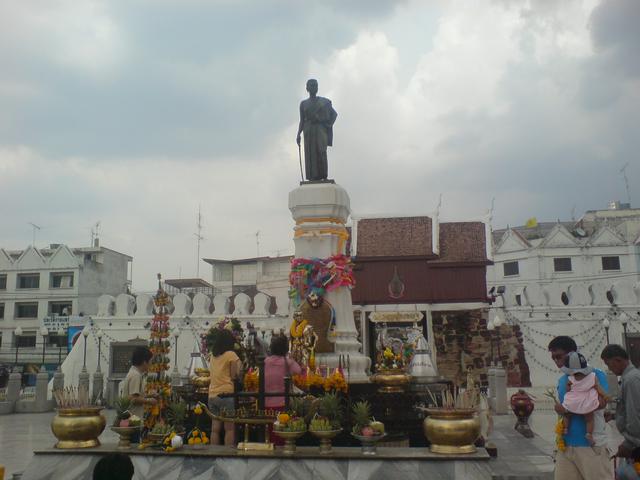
(72, 397)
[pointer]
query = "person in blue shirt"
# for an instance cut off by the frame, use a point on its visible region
(580, 460)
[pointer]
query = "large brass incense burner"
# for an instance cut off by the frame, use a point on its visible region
(452, 430)
(78, 427)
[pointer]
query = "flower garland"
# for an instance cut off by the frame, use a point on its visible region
(297, 330)
(319, 276)
(232, 324)
(158, 384)
(559, 429)
(251, 380)
(313, 380)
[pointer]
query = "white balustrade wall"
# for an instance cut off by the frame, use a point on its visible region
(126, 318)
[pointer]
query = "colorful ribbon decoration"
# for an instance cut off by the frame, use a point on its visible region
(319, 276)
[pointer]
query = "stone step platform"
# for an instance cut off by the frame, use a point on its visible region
(215, 462)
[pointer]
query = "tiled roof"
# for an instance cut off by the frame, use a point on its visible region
(411, 236)
(462, 242)
(394, 237)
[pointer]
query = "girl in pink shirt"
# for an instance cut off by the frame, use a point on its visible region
(277, 366)
(583, 392)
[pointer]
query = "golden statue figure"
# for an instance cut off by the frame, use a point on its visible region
(296, 341)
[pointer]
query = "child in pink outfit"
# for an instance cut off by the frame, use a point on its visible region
(583, 392)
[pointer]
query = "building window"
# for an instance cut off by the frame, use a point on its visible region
(28, 339)
(61, 280)
(26, 310)
(29, 280)
(60, 308)
(1, 311)
(611, 263)
(3, 282)
(58, 341)
(562, 264)
(511, 268)
(519, 300)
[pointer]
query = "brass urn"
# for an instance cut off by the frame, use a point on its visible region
(452, 431)
(201, 380)
(391, 380)
(78, 427)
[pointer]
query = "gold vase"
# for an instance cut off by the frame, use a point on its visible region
(289, 440)
(392, 380)
(325, 437)
(452, 431)
(78, 427)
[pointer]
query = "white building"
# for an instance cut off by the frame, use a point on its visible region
(48, 282)
(566, 278)
(269, 275)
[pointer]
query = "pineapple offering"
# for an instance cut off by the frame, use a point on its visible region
(329, 414)
(364, 424)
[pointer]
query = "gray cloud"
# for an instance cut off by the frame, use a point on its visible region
(135, 113)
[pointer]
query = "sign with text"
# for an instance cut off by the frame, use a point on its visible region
(55, 323)
(395, 317)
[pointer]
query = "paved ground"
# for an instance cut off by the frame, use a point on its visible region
(518, 457)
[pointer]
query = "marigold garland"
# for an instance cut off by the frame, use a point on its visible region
(158, 384)
(560, 435)
(296, 331)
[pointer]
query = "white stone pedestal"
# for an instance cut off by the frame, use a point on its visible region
(321, 210)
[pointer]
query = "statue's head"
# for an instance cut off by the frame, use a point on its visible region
(297, 315)
(314, 300)
(312, 86)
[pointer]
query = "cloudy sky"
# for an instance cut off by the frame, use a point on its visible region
(133, 113)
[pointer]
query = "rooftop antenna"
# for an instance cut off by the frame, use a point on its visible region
(200, 238)
(34, 227)
(623, 171)
(439, 206)
(95, 234)
(573, 214)
(258, 244)
(492, 209)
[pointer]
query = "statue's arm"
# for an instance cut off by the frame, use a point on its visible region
(332, 114)
(300, 125)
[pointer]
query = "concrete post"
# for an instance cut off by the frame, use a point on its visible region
(98, 387)
(13, 387)
(176, 378)
(42, 403)
(84, 379)
(491, 377)
(58, 380)
(501, 407)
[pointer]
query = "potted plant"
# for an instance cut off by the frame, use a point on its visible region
(326, 423)
(177, 414)
(365, 427)
(452, 426)
(125, 424)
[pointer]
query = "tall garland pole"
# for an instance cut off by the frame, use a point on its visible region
(158, 382)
